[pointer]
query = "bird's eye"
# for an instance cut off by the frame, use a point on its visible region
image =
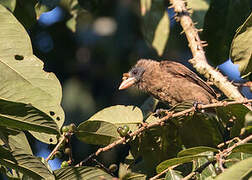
(134, 72)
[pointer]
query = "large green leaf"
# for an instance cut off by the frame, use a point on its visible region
(20, 157)
(97, 132)
(221, 22)
(174, 161)
(77, 173)
(22, 78)
(238, 171)
(156, 25)
(199, 8)
(25, 117)
(196, 150)
(120, 115)
(241, 48)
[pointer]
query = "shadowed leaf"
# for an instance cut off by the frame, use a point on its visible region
(25, 117)
(241, 48)
(234, 114)
(76, 173)
(221, 22)
(97, 132)
(21, 159)
(156, 24)
(199, 8)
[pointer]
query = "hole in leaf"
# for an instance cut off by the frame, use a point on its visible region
(58, 118)
(51, 140)
(52, 113)
(19, 57)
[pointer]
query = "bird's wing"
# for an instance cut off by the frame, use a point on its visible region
(180, 70)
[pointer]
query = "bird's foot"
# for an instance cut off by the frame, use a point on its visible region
(160, 113)
(196, 105)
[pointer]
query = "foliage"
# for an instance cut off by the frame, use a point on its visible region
(30, 101)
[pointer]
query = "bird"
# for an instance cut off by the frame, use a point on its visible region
(168, 81)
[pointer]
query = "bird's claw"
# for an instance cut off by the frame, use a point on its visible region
(160, 113)
(196, 106)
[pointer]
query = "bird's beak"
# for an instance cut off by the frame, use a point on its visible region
(127, 81)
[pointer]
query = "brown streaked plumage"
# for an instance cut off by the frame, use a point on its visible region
(168, 81)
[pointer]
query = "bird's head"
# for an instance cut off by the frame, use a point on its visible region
(132, 78)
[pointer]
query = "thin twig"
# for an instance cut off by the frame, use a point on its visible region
(103, 167)
(163, 172)
(57, 147)
(221, 155)
(189, 176)
(159, 122)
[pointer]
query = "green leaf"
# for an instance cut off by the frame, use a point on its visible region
(120, 115)
(241, 47)
(155, 25)
(201, 129)
(22, 78)
(245, 148)
(25, 117)
(174, 161)
(196, 150)
(154, 146)
(208, 171)
(97, 132)
(173, 175)
(248, 119)
(10, 4)
(233, 114)
(199, 8)
(237, 171)
(44, 6)
(77, 173)
(248, 122)
(21, 158)
(126, 173)
(80, 16)
(5, 153)
(221, 22)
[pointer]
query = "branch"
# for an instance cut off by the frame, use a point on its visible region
(199, 60)
(65, 136)
(219, 158)
(160, 122)
(221, 155)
